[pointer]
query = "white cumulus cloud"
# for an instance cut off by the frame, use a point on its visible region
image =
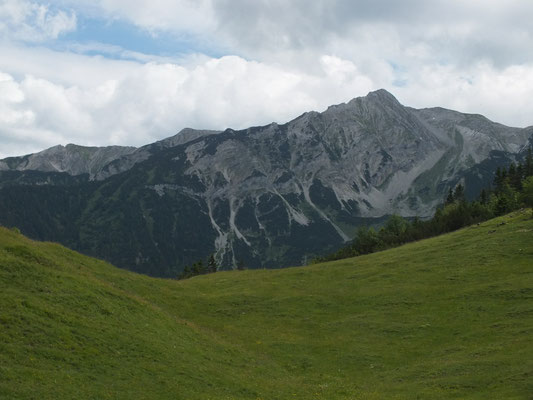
(33, 22)
(281, 58)
(155, 100)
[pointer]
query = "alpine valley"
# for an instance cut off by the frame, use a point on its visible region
(268, 196)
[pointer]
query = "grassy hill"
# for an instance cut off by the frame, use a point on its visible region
(450, 317)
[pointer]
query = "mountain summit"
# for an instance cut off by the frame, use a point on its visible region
(268, 196)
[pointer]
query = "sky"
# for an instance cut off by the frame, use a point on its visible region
(130, 72)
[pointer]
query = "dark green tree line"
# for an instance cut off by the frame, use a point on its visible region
(512, 189)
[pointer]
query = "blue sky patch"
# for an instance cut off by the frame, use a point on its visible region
(129, 37)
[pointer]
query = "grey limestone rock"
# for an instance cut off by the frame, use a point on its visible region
(275, 194)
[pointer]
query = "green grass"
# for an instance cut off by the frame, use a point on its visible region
(445, 318)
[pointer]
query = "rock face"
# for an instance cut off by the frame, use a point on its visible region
(270, 196)
(98, 162)
(72, 159)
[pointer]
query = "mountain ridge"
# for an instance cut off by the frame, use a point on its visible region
(380, 96)
(269, 196)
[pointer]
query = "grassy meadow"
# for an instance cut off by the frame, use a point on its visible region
(444, 318)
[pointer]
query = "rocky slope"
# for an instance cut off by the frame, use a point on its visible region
(271, 196)
(98, 162)
(72, 159)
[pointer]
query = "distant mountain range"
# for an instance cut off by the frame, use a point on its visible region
(268, 196)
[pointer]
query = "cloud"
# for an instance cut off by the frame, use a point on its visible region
(155, 100)
(135, 103)
(501, 95)
(181, 16)
(33, 22)
(283, 58)
(454, 30)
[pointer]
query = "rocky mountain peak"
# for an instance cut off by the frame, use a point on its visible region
(272, 195)
(72, 159)
(186, 135)
(382, 95)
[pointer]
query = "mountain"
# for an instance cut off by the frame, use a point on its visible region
(97, 162)
(72, 159)
(267, 196)
(445, 318)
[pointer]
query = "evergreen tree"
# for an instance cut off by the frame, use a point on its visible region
(502, 205)
(520, 174)
(507, 200)
(367, 240)
(449, 199)
(514, 176)
(202, 267)
(528, 167)
(212, 264)
(415, 230)
(459, 194)
(240, 265)
(453, 217)
(511, 171)
(483, 197)
(499, 179)
(195, 270)
(393, 232)
(186, 273)
(527, 192)
(198, 268)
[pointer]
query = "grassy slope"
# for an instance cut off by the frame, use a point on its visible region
(450, 317)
